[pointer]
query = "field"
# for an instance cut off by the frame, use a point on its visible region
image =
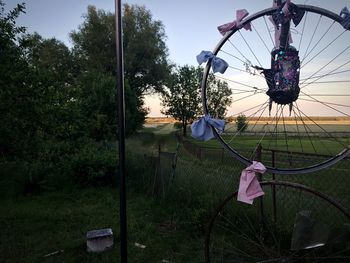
(36, 225)
(289, 126)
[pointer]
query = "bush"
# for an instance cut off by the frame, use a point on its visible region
(94, 163)
(23, 178)
(241, 123)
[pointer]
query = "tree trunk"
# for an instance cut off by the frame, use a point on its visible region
(184, 130)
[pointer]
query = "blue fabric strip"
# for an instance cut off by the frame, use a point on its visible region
(218, 64)
(202, 128)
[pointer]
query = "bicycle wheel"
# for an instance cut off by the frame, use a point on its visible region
(295, 224)
(309, 130)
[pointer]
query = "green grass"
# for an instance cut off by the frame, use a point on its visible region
(231, 127)
(248, 143)
(172, 229)
(34, 226)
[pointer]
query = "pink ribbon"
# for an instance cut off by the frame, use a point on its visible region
(249, 186)
(237, 24)
(285, 8)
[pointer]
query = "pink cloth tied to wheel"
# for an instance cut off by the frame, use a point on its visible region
(240, 15)
(249, 186)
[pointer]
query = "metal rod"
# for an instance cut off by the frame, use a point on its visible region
(258, 157)
(121, 131)
(274, 189)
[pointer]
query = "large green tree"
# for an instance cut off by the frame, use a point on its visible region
(182, 98)
(145, 54)
(17, 123)
(145, 51)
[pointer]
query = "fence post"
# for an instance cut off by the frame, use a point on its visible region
(273, 187)
(260, 200)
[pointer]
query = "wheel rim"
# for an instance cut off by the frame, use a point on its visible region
(236, 234)
(301, 132)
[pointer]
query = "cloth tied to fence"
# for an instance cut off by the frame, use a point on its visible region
(249, 186)
(345, 15)
(218, 64)
(237, 24)
(202, 128)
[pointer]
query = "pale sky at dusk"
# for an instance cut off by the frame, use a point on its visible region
(190, 25)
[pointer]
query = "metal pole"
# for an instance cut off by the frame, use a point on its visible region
(121, 130)
(274, 188)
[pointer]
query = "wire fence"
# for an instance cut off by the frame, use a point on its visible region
(199, 178)
(217, 162)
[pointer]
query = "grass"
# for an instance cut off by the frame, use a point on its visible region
(34, 226)
(291, 127)
(172, 229)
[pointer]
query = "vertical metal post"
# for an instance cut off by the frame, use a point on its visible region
(260, 200)
(274, 188)
(121, 130)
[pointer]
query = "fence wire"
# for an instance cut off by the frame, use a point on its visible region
(200, 178)
(217, 169)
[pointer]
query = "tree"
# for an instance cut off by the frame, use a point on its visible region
(181, 100)
(218, 97)
(15, 125)
(145, 53)
(183, 97)
(241, 123)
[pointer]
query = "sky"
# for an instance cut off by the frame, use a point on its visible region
(190, 25)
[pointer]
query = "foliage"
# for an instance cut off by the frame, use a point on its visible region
(94, 52)
(145, 51)
(241, 123)
(94, 163)
(182, 99)
(218, 97)
(58, 105)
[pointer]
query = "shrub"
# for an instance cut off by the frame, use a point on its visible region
(94, 163)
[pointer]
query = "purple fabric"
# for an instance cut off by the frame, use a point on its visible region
(278, 34)
(249, 186)
(218, 64)
(286, 12)
(345, 15)
(202, 128)
(237, 24)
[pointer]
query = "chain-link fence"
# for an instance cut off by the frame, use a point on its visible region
(199, 178)
(215, 162)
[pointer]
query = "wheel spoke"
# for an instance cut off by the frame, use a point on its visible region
(312, 37)
(343, 51)
(240, 83)
(302, 32)
(305, 128)
(329, 73)
(325, 104)
(285, 131)
(329, 28)
(325, 131)
(299, 135)
(251, 50)
(264, 43)
(268, 30)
